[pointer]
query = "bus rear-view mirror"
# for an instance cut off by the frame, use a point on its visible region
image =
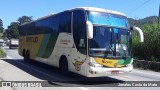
(89, 29)
(139, 32)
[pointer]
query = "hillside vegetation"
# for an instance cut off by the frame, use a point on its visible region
(2, 53)
(150, 49)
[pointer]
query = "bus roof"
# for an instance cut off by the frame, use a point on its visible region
(80, 8)
(98, 10)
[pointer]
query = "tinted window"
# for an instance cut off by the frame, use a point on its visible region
(22, 31)
(44, 26)
(54, 23)
(27, 29)
(65, 22)
(79, 31)
(57, 23)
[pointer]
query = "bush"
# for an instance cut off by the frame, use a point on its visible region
(147, 65)
(150, 49)
(2, 53)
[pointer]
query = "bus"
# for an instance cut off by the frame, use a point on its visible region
(89, 41)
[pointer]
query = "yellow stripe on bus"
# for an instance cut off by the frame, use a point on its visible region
(31, 43)
(108, 62)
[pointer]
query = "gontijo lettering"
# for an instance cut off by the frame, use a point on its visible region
(31, 39)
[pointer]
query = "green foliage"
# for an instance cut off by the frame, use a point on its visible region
(2, 53)
(1, 28)
(141, 22)
(13, 29)
(24, 19)
(4, 35)
(150, 49)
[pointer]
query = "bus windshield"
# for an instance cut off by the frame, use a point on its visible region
(110, 42)
(108, 19)
(111, 38)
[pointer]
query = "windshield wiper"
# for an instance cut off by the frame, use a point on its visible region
(109, 48)
(108, 51)
(121, 46)
(125, 55)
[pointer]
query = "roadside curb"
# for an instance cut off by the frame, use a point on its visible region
(147, 65)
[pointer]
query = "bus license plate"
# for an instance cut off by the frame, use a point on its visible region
(115, 72)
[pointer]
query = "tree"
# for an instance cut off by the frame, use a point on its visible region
(1, 26)
(149, 50)
(24, 19)
(13, 30)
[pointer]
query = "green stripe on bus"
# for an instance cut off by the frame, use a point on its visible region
(43, 46)
(127, 61)
(120, 62)
(124, 62)
(51, 45)
(48, 45)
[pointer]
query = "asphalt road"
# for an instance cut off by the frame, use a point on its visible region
(13, 68)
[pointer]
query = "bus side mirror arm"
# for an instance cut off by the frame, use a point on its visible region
(89, 27)
(139, 33)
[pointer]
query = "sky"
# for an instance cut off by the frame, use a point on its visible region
(11, 10)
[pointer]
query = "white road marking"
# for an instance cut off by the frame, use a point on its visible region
(83, 88)
(58, 79)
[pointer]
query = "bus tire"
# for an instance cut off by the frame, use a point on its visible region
(27, 56)
(63, 65)
(23, 53)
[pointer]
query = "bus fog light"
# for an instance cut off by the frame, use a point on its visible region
(91, 72)
(95, 65)
(128, 65)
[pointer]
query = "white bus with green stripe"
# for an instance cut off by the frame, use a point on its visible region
(89, 41)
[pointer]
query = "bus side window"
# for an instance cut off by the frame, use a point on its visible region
(79, 31)
(54, 21)
(65, 22)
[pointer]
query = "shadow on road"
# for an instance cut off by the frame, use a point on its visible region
(52, 74)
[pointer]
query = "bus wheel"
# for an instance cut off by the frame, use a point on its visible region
(27, 57)
(63, 65)
(24, 55)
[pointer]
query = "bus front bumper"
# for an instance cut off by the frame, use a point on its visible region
(101, 71)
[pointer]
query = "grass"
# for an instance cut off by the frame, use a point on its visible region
(2, 53)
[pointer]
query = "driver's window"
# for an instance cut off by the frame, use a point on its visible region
(79, 31)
